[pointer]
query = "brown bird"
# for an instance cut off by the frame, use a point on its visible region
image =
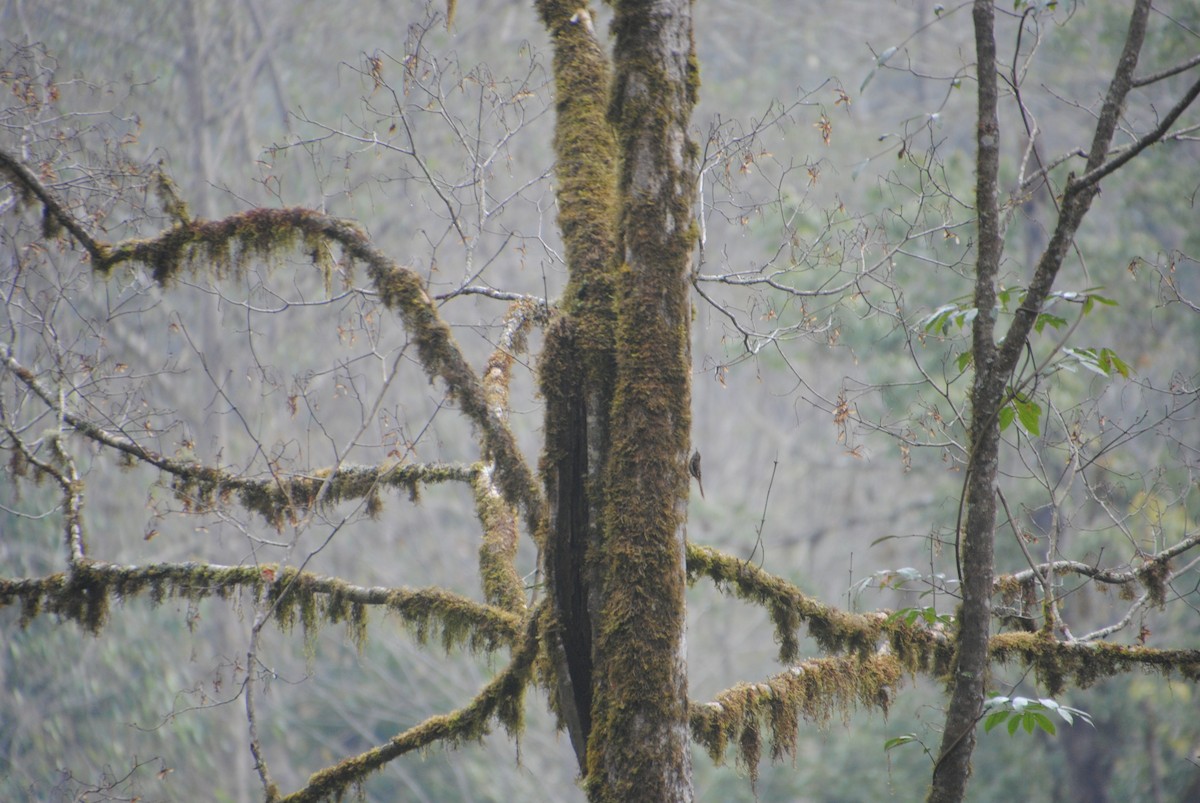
(694, 470)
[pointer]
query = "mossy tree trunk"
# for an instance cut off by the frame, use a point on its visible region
(616, 377)
(638, 748)
(577, 364)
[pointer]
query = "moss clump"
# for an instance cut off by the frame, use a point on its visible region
(813, 691)
(502, 585)
(1085, 663)
(502, 699)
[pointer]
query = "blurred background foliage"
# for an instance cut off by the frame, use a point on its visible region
(247, 102)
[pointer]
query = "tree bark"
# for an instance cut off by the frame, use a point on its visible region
(994, 366)
(976, 536)
(639, 745)
(577, 364)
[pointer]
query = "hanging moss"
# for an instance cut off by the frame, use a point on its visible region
(84, 599)
(458, 621)
(835, 631)
(1155, 576)
(282, 499)
(84, 595)
(1085, 663)
(813, 690)
(226, 245)
(502, 699)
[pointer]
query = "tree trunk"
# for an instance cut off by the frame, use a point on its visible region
(976, 536)
(638, 748)
(615, 374)
(577, 368)
(994, 366)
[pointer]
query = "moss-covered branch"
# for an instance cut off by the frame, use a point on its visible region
(502, 585)
(278, 498)
(1153, 572)
(813, 690)
(834, 630)
(85, 594)
(502, 699)
(281, 498)
(1085, 663)
(918, 649)
(228, 244)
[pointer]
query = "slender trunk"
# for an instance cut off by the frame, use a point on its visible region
(994, 365)
(976, 535)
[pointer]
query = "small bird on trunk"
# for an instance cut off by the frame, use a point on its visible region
(694, 470)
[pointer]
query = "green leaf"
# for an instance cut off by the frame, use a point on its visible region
(1006, 416)
(965, 359)
(939, 319)
(1109, 361)
(1046, 319)
(1030, 414)
(1028, 714)
(1092, 300)
(896, 741)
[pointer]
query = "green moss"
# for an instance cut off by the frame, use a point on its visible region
(502, 699)
(457, 621)
(640, 686)
(280, 500)
(502, 585)
(576, 369)
(85, 594)
(1055, 662)
(225, 245)
(813, 691)
(1155, 576)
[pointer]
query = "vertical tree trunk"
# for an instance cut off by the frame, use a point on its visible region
(977, 534)
(577, 365)
(639, 742)
(994, 366)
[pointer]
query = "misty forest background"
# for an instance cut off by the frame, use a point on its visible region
(267, 102)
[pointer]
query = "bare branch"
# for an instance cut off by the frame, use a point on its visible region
(1183, 66)
(1125, 154)
(52, 209)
